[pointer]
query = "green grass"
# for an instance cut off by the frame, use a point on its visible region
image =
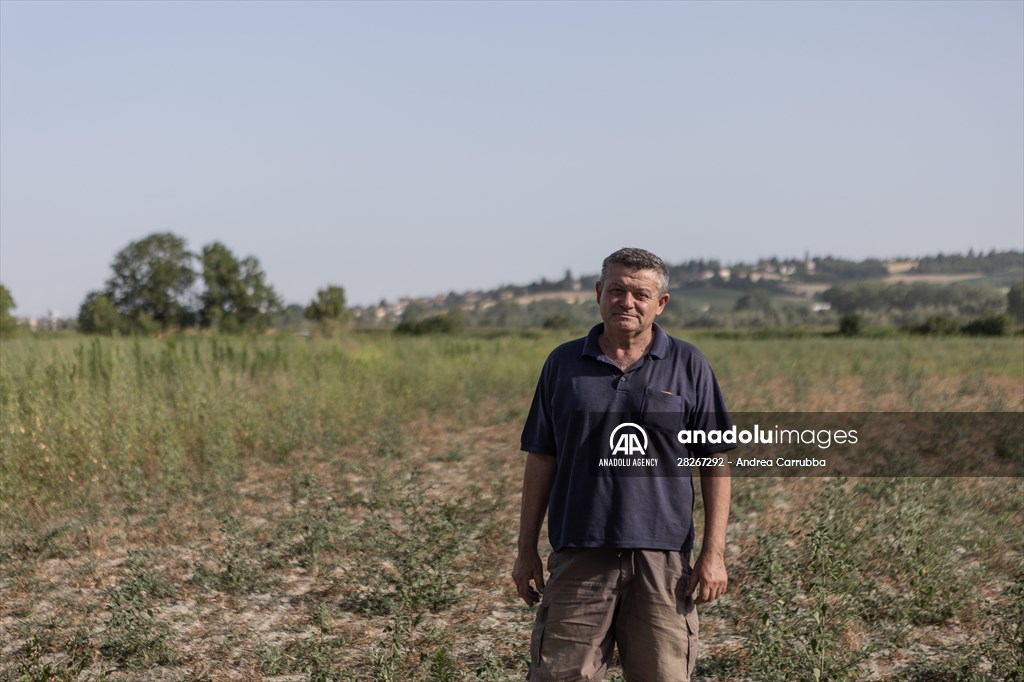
(84, 421)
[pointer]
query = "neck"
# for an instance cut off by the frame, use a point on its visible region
(627, 343)
(624, 350)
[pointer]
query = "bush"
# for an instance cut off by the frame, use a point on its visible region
(435, 324)
(990, 325)
(938, 325)
(557, 321)
(97, 315)
(1015, 301)
(851, 325)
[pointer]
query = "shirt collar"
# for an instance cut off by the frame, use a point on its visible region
(659, 349)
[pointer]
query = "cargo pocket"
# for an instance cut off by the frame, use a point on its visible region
(537, 640)
(688, 609)
(692, 638)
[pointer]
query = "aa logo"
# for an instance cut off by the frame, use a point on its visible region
(628, 439)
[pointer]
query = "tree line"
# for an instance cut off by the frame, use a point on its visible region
(963, 299)
(157, 284)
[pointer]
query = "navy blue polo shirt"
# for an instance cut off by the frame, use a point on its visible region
(580, 396)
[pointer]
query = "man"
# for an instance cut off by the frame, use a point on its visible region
(620, 570)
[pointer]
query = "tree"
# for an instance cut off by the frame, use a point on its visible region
(757, 299)
(328, 306)
(415, 310)
(1015, 301)
(292, 316)
(7, 323)
(152, 281)
(98, 315)
(960, 299)
(557, 321)
(236, 295)
(435, 324)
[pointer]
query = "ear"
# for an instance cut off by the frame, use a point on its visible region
(662, 302)
(598, 288)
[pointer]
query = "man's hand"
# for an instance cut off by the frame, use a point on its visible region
(540, 472)
(529, 568)
(709, 572)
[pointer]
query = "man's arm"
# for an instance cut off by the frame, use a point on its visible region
(709, 570)
(540, 472)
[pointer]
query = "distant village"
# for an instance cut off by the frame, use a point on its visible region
(794, 277)
(51, 322)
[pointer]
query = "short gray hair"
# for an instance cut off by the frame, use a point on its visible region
(638, 259)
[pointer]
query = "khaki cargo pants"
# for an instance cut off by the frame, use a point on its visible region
(596, 598)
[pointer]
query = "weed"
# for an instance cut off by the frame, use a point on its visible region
(456, 453)
(33, 665)
(490, 669)
(1005, 645)
(441, 666)
(949, 668)
(387, 440)
(716, 667)
(110, 433)
(921, 559)
(236, 569)
(772, 591)
(316, 517)
(388, 658)
(272, 661)
(143, 581)
(318, 656)
(407, 555)
(45, 545)
(806, 594)
(134, 637)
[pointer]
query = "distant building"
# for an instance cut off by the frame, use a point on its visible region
(900, 266)
(51, 322)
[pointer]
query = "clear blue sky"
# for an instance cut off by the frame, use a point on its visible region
(414, 148)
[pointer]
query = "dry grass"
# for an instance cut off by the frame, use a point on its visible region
(383, 551)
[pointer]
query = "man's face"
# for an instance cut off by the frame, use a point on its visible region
(629, 299)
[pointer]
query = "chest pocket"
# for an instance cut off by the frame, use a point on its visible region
(663, 412)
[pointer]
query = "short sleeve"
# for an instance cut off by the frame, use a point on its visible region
(539, 433)
(710, 412)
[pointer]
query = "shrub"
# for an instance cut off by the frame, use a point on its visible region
(435, 324)
(938, 325)
(990, 325)
(851, 325)
(557, 321)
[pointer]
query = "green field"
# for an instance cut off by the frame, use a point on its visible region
(284, 508)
